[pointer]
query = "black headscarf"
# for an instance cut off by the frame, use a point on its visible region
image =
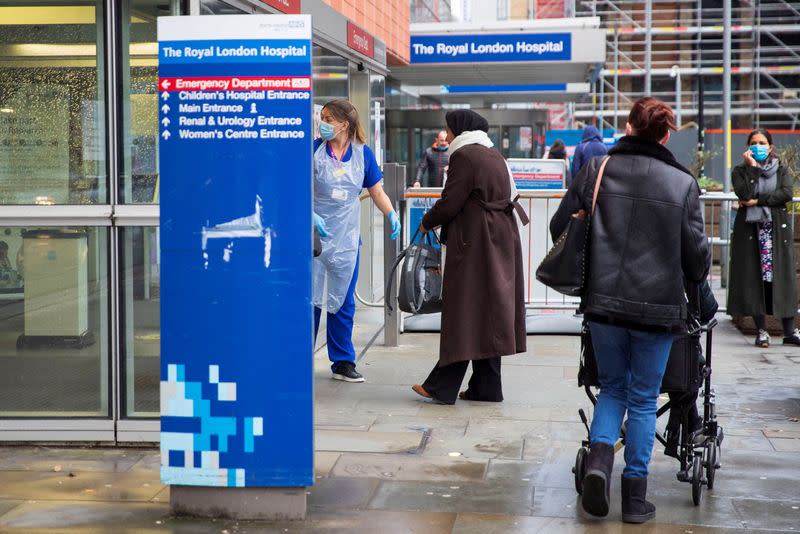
(465, 120)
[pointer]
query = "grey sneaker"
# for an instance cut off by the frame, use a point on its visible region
(794, 339)
(762, 339)
(346, 371)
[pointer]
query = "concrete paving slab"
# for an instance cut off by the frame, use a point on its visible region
(410, 468)
(485, 447)
(324, 462)
(84, 486)
(68, 459)
(499, 524)
(439, 427)
(463, 497)
(5, 506)
(772, 514)
(356, 441)
(341, 493)
(785, 444)
(46, 515)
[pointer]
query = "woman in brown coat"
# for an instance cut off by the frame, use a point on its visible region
(483, 303)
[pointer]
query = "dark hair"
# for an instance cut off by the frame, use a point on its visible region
(762, 131)
(343, 111)
(558, 144)
(651, 119)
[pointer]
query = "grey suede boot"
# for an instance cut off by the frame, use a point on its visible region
(635, 509)
(597, 480)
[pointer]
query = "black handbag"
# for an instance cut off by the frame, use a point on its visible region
(564, 266)
(420, 278)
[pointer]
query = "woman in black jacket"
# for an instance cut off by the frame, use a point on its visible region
(646, 239)
(763, 271)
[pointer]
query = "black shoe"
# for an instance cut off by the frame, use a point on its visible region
(597, 481)
(794, 339)
(635, 508)
(346, 371)
(762, 339)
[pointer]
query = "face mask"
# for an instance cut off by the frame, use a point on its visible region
(759, 152)
(326, 130)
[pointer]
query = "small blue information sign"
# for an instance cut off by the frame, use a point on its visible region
(236, 317)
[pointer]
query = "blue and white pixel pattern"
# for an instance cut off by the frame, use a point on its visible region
(192, 439)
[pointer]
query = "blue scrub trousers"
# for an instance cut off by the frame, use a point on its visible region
(631, 364)
(340, 326)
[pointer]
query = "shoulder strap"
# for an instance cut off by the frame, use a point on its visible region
(597, 182)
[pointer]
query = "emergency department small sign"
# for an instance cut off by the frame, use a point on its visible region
(235, 112)
(538, 174)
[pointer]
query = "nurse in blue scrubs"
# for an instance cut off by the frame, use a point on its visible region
(343, 166)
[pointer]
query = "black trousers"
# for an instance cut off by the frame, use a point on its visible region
(485, 385)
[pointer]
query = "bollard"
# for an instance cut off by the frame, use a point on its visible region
(394, 179)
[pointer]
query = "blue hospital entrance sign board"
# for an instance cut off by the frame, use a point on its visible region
(488, 48)
(236, 317)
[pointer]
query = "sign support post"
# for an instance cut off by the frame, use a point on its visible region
(235, 112)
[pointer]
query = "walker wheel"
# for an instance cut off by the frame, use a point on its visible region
(697, 480)
(711, 463)
(580, 469)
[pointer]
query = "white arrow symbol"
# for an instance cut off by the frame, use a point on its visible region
(166, 134)
(165, 108)
(165, 121)
(165, 84)
(165, 95)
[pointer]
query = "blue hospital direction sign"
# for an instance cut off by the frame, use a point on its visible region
(491, 48)
(235, 113)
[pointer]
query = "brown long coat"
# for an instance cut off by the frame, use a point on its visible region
(483, 311)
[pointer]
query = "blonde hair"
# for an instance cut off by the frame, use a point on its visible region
(343, 111)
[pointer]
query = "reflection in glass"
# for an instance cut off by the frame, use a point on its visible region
(53, 321)
(330, 76)
(52, 123)
(141, 298)
(140, 99)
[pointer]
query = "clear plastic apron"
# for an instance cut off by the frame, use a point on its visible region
(337, 186)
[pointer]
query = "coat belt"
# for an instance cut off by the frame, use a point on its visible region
(507, 207)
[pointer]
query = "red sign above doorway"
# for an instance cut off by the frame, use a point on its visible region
(360, 40)
(290, 7)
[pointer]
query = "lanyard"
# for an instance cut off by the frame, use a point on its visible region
(333, 152)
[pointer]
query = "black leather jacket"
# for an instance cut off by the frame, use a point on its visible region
(646, 236)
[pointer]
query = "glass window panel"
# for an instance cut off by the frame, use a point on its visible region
(54, 321)
(331, 76)
(139, 184)
(141, 319)
(52, 103)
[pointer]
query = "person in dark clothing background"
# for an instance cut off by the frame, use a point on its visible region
(762, 269)
(434, 161)
(591, 146)
(559, 151)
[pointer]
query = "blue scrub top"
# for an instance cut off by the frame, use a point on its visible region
(372, 172)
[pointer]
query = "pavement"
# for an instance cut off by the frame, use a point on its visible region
(389, 461)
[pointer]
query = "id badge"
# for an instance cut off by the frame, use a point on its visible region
(338, 173)
(339, 194)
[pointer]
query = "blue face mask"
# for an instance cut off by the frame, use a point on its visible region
(759, 152)
(326, 130)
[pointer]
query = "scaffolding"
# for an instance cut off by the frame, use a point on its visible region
(674, 51)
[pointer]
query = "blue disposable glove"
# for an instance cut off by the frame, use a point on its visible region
(319, 222)
(394, 219)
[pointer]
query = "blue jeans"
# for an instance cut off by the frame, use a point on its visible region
(631, 364)
(340, 326)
